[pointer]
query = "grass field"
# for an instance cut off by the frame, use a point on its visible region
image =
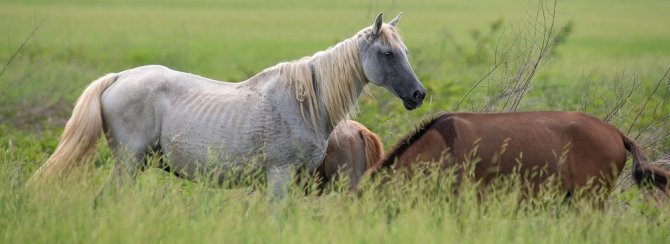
(610, 63)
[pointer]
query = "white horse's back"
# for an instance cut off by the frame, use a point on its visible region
(191, 119)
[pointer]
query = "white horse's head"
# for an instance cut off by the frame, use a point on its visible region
(383, 57)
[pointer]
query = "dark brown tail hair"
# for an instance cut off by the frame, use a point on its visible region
(643, 173)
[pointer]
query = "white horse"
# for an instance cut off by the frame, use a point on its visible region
(276, 120)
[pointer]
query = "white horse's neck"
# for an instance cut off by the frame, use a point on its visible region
(327, 84)
(340, 80)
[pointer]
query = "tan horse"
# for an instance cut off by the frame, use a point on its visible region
(352, 149)
(580, 151)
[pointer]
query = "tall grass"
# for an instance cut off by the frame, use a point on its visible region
(417, 209)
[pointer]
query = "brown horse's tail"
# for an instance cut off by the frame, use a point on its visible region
(374, 149)
(80, 134)
(642, 171)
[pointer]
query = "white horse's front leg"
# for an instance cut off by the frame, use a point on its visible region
(278, 178)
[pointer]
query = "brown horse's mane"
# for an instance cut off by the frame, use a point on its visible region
(404, 143)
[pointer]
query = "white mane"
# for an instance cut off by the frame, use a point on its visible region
(336, 72)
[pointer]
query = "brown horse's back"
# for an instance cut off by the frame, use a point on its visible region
(571, 145)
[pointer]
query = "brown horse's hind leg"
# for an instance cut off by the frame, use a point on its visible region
(657, 199)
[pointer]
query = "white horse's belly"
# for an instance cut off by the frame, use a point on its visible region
(215, 135)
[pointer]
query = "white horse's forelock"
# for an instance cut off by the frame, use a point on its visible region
(337, 72)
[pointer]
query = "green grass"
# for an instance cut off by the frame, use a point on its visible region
(614, 46)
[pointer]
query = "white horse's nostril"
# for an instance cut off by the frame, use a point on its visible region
(417, 95)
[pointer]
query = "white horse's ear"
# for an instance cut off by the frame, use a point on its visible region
(395, 20)
(377, 26)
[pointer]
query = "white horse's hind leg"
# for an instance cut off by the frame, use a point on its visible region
(278, 180)
(132, 116)
(128, 160)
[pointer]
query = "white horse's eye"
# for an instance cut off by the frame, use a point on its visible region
(387, 53)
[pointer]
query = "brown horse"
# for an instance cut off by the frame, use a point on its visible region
(579, 150)
(352, 149)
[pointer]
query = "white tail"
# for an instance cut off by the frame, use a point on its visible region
(80, 134)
